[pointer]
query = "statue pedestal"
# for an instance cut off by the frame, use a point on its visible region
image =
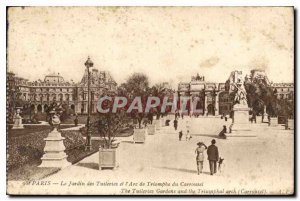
(240, 126)
(54, 151)
(157, 124)
(265, 118)
(151, 129)
(18, 122)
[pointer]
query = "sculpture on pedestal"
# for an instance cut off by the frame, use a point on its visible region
(241, 95)
(240, 122)
(265, 115)
(17, 121)
(54, 149)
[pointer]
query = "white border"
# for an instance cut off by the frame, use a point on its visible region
(5, 3)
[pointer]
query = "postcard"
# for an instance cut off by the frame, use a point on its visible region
(150, 101)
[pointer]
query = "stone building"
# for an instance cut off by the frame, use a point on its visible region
(217, 99)
(41, 93)
(101, 82)
(281, 90)
(212, 97)
(284, 90)
(52, 89)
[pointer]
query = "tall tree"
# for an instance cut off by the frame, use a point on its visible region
(259, 95)
(137, 84)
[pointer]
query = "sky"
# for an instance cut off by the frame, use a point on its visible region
(169, 44)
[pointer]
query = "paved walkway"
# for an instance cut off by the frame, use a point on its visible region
(265, 162)
(73, 128)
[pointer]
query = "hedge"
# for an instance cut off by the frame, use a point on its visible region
(28, 149)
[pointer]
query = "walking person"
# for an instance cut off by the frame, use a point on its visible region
(175, 124)
(200, 156)
(213, 156)
(76, 120)
(180, 135)
(150, 118)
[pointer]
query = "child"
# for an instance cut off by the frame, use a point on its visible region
(188, 135)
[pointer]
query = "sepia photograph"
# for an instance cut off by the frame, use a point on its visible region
(162, 100)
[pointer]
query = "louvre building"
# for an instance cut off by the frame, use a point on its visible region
(54, 88)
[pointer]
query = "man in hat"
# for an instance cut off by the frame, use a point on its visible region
(213, 156)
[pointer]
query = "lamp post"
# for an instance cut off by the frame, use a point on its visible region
(88, 144)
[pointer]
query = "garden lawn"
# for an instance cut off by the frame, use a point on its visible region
(81, 119)
(29, 129)
(25, 152)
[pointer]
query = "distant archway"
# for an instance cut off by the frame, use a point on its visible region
(46, 107)
(39, 108)
(225, 103)
(210, 109)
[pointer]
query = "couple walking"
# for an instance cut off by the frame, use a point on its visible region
(212, 153)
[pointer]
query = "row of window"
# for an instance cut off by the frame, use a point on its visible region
(284, 96)
(285, 89)
(52, 90)
(48, 97)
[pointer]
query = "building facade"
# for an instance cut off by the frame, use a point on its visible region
(217, 98)
(212, 98)
(41, 93)
(284, 90)
(101, 82)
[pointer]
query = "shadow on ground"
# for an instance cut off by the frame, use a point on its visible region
(179, 169)
(94, 166)
(127, 141)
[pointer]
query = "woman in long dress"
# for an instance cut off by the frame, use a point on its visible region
(200, 156)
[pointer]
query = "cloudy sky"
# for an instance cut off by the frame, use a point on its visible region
(167, 43)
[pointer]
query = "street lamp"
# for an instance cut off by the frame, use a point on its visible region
(88, 146)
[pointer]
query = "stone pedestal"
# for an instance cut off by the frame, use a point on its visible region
(264, 118)
(139, 135)
(273, 122)
(151, 129)
(240, 126)
(54, 151)
(18, 122)
(157, 123)
(291, 124)
(107, 158)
